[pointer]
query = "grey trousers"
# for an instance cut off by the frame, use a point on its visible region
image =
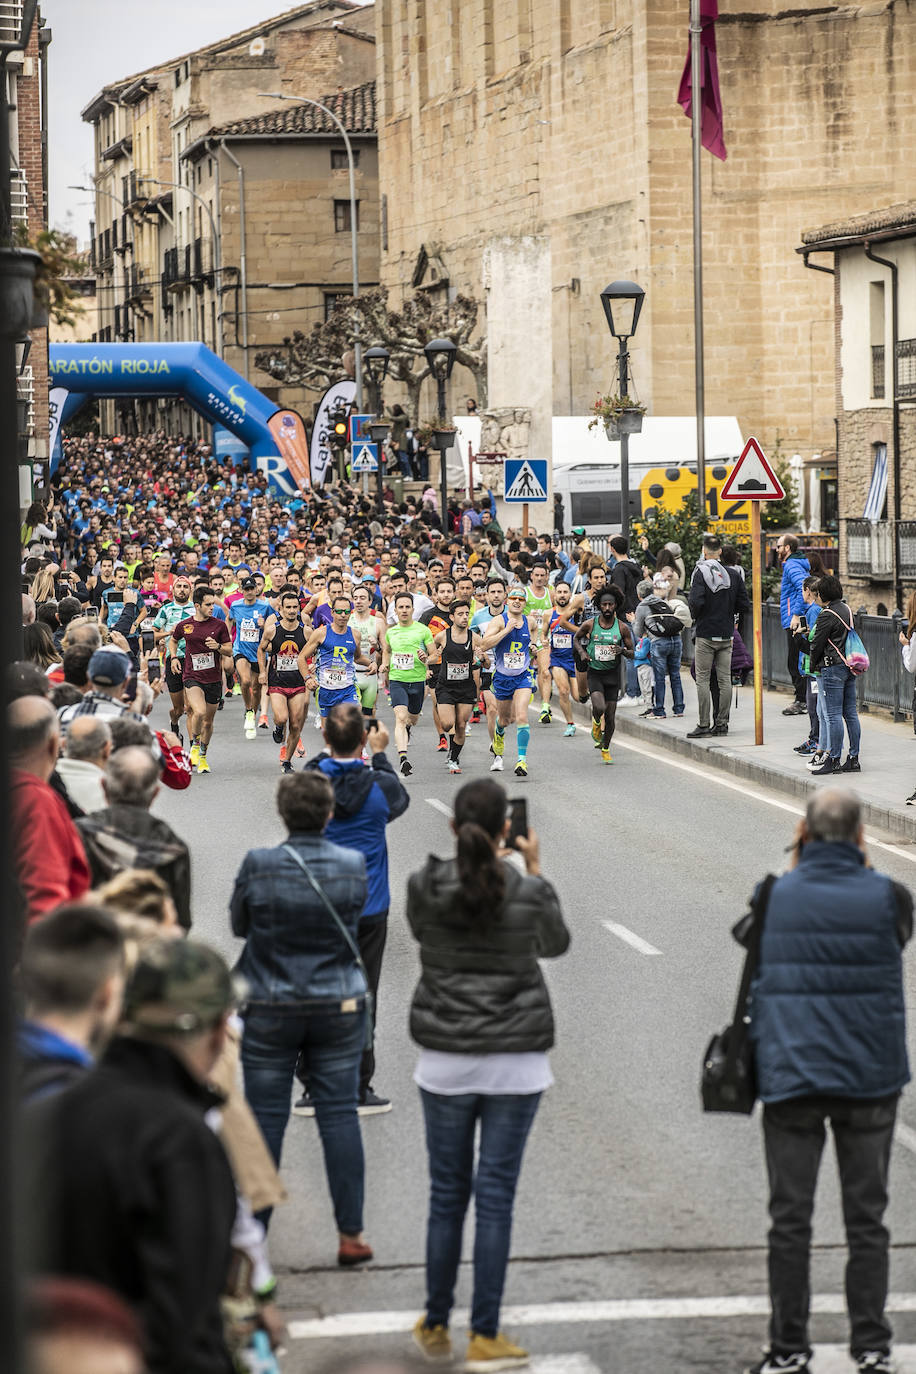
(714, 656)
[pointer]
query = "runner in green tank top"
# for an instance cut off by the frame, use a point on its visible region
(605, 640)
(539, 602)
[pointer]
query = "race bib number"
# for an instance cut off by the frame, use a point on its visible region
(457, 672)
(403, 663)
(249, 633)
(201, 662)
(562, 641)
(515, 662)
(605, 653)
(332, 678)
(287, 663)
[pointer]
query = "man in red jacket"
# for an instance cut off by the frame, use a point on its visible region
(50, 858)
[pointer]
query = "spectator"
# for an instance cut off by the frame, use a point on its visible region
(108, 671)
(65, 694)
(80, 1328)
(50, 859)
(307, 992)
(69, 608)
(795, 569)
(72, 979)
(828, 1028)
(76, 665)
(82, 631)
(38, 645)
(29, 609)
(124, 1183)
(717, 594)
(365, 801)
(124, 834)
(836, 682)
(139, 894)
(26, 680)
(87, 744)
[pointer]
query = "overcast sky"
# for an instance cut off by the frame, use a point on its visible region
(97, 42)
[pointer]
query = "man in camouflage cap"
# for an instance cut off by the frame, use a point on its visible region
(125, 1182)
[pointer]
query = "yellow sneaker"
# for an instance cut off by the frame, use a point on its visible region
(433, 1341)
(499, 744)
(202, 764)
(497, 1352)
(606, 756)
(596, 731)
(195, 755)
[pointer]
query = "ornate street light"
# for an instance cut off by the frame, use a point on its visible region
(440, 354)
(622, 302)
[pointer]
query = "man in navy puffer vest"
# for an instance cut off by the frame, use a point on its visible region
(829, 1035)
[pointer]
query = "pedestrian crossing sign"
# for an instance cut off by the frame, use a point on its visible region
(365, 457)
(524, 480)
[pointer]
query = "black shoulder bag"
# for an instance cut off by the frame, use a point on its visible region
(354, 948)
(728, 1082)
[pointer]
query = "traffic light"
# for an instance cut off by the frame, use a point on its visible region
(338, 432)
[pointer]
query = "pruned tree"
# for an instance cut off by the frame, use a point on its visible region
(316, 360)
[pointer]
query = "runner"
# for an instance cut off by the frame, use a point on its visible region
(538, 600)
(510, 636)
(167, 617)
(437, 619)
(561, 630)
(338, 658)
(283, 670)
(405, 652)
(496, 600)
(247, 617)
(456, 690)
(367, 628)
(208, 652)
(606, 640)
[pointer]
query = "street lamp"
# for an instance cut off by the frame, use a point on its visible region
(354, 246)
(622, 302)
(440, 354)
(377, 360)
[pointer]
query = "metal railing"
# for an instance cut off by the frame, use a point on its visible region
(877, 371)
(906, 369)
(10, 20)
(19, 196)
(870, 549)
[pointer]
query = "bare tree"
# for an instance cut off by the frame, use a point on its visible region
(316, 360)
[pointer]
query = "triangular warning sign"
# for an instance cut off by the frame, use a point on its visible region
(364, 460)
(752, 478)
(526, 486)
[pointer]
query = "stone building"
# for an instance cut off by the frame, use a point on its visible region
(168, 144)
(874, 284)
(537, 150)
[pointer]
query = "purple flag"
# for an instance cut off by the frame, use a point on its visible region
(713, 139)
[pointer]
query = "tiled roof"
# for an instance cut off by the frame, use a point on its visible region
(902, 216)
(354, 108)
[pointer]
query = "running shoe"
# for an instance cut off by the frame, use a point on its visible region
(475, 717)
(497, 765)
(300, 750)
(287, 767)
(494, 1352)
(521, 768)
(304, 1106)
(433, 1341)
(237, 690)
(406, 768)
(263, 721)
(596, 731)
(606, 756)
(202, 764)
(278, 732)
(283, 754)
(499, 744)
(546, 715)
(569, 731)
(195, 754)
(817, 759)
(251, 729)
(220, 703)
(454, 766)
(781, 1364)
(442, 746)
(875, 1362)
(372, 1104)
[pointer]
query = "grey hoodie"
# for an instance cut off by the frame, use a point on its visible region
(713, 574)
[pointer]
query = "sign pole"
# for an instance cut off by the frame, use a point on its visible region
(757, 612)
(525, 520)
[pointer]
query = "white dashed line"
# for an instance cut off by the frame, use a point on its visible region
(630, 938)
(440, 806)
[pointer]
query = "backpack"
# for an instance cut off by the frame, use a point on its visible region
(856, 658)
(661, 621)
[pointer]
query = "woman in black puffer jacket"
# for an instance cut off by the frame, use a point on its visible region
(482, 1014)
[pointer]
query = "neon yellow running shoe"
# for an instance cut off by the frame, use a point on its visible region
(499, 744)
(195, 754)
(596, 731)
(606, 756)
(521, 768)
(202, 764)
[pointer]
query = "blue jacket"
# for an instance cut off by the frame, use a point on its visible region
(791, 602)
(366, 799)
(294, 951)
(827, 1004)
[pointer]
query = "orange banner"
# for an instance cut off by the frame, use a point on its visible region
(288, 428)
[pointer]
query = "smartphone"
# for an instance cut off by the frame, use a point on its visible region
(371, 722)
(803, 622)
(154, 668)
(92, 612)
(518, 818)
(147, 641)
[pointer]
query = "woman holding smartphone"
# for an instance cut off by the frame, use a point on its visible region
(482, 1016)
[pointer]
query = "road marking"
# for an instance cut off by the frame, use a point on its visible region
(905, 1136)
(628, 936)
(345, 1324)
(440, 806)
(711, 775)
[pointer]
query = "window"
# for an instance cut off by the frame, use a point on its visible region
(330, 300)
(342, 216)
(876, 333)
(339, 159)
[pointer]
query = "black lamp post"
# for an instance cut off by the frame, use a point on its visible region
(622, 302)
(377, 360)
(440, 354)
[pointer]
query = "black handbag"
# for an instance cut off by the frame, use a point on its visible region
(728, 1081)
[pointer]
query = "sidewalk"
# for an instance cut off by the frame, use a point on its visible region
(888, 753)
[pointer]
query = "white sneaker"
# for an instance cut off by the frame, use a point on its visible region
(816, 760)
(251, 728)
(497, 765)
(454, 766)
(629, 701)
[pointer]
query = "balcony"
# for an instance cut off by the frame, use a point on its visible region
(906, 369)
(870, 549)
(105, 259)
(877, 372)
(139, 288)
(133, 194)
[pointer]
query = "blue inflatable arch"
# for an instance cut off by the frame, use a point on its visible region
(188, 370)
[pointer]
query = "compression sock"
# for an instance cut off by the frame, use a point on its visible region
(524, 734)
(500, 729)
(454, 750)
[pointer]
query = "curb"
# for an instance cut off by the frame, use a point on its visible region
(894, 820)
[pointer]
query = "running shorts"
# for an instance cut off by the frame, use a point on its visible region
(504, 687)
(327, 698)
(173, 681)
(212, 691)
(285, 691)
(409, 694)
(608, 684)
(456, 694)
(367, 691)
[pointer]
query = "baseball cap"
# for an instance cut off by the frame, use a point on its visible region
(578, 529)
(180, 985)
(109, 667)
(248, 584)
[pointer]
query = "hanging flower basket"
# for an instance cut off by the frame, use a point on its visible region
(21, 309)
(624, 422)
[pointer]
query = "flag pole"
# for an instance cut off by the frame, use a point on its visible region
(696, 126)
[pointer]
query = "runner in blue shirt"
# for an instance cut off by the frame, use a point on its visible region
(246, 619)
(338, 654)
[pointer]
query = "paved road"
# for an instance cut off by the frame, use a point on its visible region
(628, 1193)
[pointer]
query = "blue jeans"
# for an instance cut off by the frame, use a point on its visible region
(823, 726)
(665, 657)
(451, 1123)
(331, 1043)
(839, 688)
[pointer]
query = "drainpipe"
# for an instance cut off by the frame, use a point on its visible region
(886, 262)
(218, 257)
(243, 260)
